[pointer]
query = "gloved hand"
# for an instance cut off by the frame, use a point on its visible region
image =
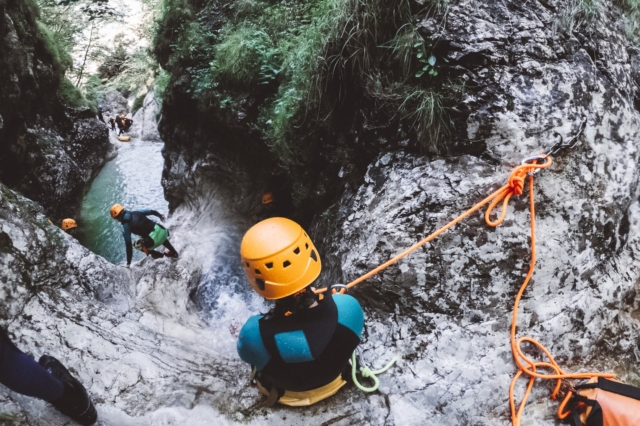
(162, 218)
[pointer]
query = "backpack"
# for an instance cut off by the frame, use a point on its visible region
(603, 402)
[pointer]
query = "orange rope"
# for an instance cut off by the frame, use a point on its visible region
(514, 186)
(526, 366)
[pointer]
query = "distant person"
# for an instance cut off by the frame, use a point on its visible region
(46, 379)
(153, 234)
(69, 226)
(120, 123)
(112, 123)
(100, 116)
(127, 124)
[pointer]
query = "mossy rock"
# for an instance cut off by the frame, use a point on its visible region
(70, 95)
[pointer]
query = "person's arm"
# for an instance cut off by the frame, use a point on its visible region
(250, 346)
(148, 212)
(127, 241)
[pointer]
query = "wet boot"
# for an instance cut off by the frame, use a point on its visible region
(75, 401)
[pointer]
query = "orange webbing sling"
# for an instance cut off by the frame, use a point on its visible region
(526, 366)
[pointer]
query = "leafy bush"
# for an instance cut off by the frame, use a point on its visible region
(138, 103)
(61, 59)
(70, 95)
(162, 81)
(93, 90)
(245, 55)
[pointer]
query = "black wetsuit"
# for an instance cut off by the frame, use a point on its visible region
(127, 124)
(112, 122)
(305, 350)
(138, 223)
(120, 123)
(101, 117)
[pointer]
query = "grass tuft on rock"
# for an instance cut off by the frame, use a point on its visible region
(70, 95)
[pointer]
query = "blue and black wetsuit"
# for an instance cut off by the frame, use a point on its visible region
(306, 350)
(21, 373)
(138, 223)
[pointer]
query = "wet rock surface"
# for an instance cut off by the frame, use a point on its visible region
(149, 357)
(145, 120)
(49, 151)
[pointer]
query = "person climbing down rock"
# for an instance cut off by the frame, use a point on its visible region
(46, 379)
(153, 234)
(69, 226)
(100, 116)
(112, 123)
(300, 349)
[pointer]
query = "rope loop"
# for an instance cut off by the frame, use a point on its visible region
(368, 373)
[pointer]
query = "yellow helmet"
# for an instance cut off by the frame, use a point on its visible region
(69, 224)
(267, 198)
(279, 258)
(115, 210)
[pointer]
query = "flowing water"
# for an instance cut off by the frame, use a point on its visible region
(132, 179)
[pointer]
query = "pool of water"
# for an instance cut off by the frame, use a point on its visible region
(132, 179)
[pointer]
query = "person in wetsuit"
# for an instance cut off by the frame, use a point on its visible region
(153, 234)
(120, 124)
(300, 349)
(127, 124)
(46, 379)
(112, 123)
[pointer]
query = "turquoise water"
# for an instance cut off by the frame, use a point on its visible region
(132, 179)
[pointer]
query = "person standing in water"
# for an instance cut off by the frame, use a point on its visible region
(153, 234)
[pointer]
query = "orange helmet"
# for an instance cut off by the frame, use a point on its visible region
(279, 258)
(69, 224)
(115, 210)
(267, 198)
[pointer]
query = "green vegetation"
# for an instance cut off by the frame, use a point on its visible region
(138, 103)
(307, 69)
(631, 9)
(70, 95)
(61, 59)
(577, 14)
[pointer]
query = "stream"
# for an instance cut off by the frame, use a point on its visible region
(132, 179)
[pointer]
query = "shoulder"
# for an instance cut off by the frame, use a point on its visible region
(250, 345)
(350, 313)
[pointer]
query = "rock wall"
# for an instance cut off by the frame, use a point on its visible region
(145, 120)
(49, 152)
(446, 310)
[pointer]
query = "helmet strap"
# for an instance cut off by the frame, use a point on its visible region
(295, 303)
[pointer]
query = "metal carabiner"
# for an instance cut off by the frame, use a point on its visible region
(530, 160)
(340, 286)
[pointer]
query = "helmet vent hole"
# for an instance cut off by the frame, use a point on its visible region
(246, 263)
(313, 255)
(258, 272)
(269, 265)
(260, 283)
(297, 250)
(286, 263)
(306, 246)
